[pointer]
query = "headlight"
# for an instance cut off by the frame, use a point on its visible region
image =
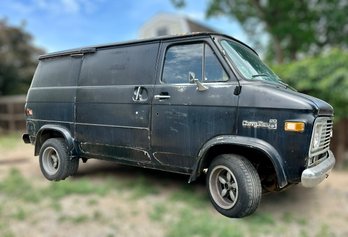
(317, 135)
(320, 140)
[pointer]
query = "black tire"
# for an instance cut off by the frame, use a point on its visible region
(74, 166)
(55, 163)
(234, 186)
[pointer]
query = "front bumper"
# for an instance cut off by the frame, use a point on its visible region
(316, 174)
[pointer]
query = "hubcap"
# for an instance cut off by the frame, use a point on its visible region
(223, 187)
(50, 160)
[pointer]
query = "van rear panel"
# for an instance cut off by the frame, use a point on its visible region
(52, 94)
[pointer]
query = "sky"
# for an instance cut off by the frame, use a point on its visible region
(64, 24)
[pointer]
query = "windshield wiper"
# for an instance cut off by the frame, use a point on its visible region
(259, 75)
(287, 85)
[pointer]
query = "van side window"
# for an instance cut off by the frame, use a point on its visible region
(57, 72)
(180, 60)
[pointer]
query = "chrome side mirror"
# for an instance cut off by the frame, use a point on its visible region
(193, 79)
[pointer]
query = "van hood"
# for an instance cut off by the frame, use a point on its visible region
(321, 107)
(277, 96)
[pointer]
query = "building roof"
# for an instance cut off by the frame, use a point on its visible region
(171, 24)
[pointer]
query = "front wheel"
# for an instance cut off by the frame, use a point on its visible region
(234, 186)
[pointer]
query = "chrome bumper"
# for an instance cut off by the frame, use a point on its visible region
(316, 174)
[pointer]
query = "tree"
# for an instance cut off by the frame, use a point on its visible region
(288, 23)
(324, 76)
(293, 27)
(18, 59)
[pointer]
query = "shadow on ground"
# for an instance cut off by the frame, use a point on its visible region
(100, 169)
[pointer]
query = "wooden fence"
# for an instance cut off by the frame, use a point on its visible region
(12, 113)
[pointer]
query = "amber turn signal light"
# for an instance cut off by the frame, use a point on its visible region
(294, 126)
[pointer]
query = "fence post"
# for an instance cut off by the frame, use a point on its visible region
(12, 113)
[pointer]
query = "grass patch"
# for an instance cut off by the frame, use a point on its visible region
(324, 231)
(4, 228)
(261, 223)
(158, 211)
(79, 219)
(58, 190)
(55, 205)
(260, 219)
(10, 140)
(140, 187)
(98, 216)
(20, 214)
(92, 202)
(16, 186)
(188, 194)
(201, 224)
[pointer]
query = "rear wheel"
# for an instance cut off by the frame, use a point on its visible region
(55, 163)
(74, 166)
(234, 185)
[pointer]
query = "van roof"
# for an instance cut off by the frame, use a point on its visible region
(92, 49)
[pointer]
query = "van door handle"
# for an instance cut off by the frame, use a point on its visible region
(162, 97)
(140, 94)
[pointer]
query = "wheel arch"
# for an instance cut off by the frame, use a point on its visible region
(54, 131)
(245, 146)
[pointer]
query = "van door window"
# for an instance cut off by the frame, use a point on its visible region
(181, 60)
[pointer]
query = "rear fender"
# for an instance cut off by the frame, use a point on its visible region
(55, 129)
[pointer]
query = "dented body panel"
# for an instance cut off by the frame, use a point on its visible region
(123, 102)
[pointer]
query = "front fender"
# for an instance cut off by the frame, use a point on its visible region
(247, 142)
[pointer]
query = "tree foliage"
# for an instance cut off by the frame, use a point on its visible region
(324, 76)
(18, 59)
(294, 27)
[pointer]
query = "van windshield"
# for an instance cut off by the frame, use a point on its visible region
(247, 62)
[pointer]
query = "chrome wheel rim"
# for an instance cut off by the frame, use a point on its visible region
(223, 187)
(50, 160)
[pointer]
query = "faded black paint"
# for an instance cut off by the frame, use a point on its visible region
(102, 100)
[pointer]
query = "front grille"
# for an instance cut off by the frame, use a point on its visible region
(320, 143)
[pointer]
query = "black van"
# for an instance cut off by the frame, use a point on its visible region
(191, 104)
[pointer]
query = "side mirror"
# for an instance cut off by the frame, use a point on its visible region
(193, 79)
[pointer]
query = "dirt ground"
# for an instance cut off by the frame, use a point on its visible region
(320, 211)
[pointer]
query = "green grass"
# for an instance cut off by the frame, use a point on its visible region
(185, 212)
(58, 190)
(158, 211)
(10, 140)
(201, 224)
(20, 214)
(324, 231)
(141, 187)
(194, 197)
(16, 186)
(78, 219)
